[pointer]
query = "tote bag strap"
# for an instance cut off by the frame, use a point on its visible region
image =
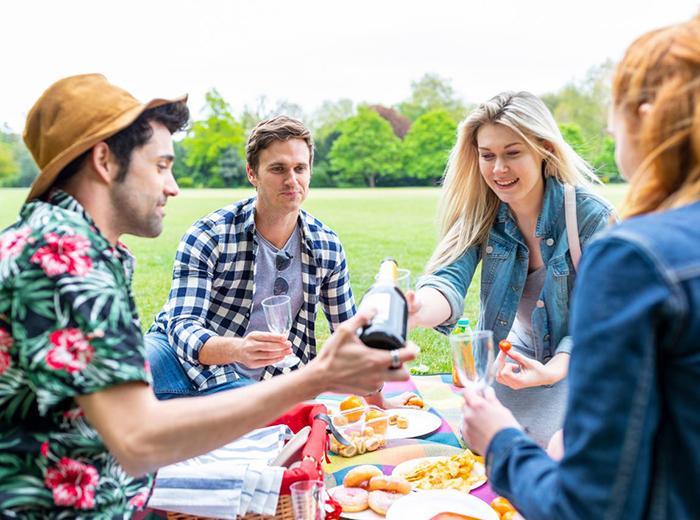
(572, 224)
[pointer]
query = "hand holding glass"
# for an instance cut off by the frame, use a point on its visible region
(278, 315)
(473, 356)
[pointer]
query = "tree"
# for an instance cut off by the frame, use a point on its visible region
(209, 138)
(432, 92)
(585, 103)
(572, 134)
(427, 145)
(264, 110)
(400, 124)
(605, 164)
(367, 149)
(8, 165)
(325, 125)
(232, 167)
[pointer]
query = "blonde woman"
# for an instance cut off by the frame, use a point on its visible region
(632, 429)
(503, 206)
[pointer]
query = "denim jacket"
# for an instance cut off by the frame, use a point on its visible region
(632, 430)
(505, 266)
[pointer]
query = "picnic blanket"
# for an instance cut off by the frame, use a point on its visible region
(443, 400)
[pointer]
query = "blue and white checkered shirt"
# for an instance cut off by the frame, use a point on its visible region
(213, 284)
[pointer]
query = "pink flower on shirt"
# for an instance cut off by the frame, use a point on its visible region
(5, 339)
(5, 361)
(72, 483)
(13, 242)
(63, 254)
(5, 344)
(138, 501)
(71, 351)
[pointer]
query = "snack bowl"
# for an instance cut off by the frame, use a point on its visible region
(368, 433)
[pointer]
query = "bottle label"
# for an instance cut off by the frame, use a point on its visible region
(381, 302)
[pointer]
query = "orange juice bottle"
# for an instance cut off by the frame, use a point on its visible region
(462, 327)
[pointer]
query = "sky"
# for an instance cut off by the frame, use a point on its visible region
(308, 51)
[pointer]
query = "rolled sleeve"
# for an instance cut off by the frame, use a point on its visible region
(452, 281)
(453, 297)
(565, 346)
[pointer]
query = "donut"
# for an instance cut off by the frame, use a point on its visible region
(394, 484)
(352, 500)
(359, 476)
(380, 501)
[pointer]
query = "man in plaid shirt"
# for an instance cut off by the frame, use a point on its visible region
(211, 334)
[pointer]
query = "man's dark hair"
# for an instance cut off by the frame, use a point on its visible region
(174, 116)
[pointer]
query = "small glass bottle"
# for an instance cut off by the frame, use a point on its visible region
(462, 327)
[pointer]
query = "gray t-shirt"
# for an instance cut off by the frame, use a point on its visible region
(265, 275)
(521, 334)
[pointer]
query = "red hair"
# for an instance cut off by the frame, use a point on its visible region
(662, 68)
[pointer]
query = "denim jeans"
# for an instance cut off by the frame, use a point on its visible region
(170, 380)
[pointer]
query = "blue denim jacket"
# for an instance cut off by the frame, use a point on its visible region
(505, 266)
(632, 430)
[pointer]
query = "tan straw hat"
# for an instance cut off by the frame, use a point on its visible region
(72, 116)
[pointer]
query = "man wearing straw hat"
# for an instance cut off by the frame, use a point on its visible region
(80, 427)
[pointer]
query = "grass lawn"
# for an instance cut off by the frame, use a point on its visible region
(371, 223)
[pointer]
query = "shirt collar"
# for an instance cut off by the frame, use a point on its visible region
(552, 208)
(67, 202)
(302, 221)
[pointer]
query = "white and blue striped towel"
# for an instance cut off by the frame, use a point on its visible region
(233, 480)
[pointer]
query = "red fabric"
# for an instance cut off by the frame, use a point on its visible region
(315, 449)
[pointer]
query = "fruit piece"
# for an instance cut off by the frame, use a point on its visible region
(502, 506)
(505, 345)
(355, 403)
(378, 420)
(414, 400)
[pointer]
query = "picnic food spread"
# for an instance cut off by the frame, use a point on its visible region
(455, 472)
(367, 487)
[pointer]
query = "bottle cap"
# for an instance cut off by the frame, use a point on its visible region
(463, 322)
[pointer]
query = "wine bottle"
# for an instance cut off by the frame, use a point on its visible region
(388, 328)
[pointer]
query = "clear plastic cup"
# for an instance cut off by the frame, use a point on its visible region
(308, 500)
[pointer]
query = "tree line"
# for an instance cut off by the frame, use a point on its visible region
(407, 144)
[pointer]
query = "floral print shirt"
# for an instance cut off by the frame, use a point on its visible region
(68, 326)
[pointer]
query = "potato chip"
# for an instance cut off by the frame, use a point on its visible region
(453, 473)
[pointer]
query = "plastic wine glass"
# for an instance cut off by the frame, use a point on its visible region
(473, 356)
(403, 279)
(278, 315)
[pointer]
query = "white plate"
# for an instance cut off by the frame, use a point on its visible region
(426, 504)
(408, 466)
(420, 422)
(367, 514)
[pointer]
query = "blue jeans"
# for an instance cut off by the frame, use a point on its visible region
(170, 380)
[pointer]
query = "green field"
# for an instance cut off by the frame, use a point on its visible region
(371, 223)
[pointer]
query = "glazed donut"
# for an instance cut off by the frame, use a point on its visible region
(359, 476)
(352, 500)
(380, 501)
(393, 484)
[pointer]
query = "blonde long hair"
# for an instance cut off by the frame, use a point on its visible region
(662, 68)
(468, 207)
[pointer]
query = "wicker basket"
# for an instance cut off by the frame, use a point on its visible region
(284, 512)
(313, 453)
